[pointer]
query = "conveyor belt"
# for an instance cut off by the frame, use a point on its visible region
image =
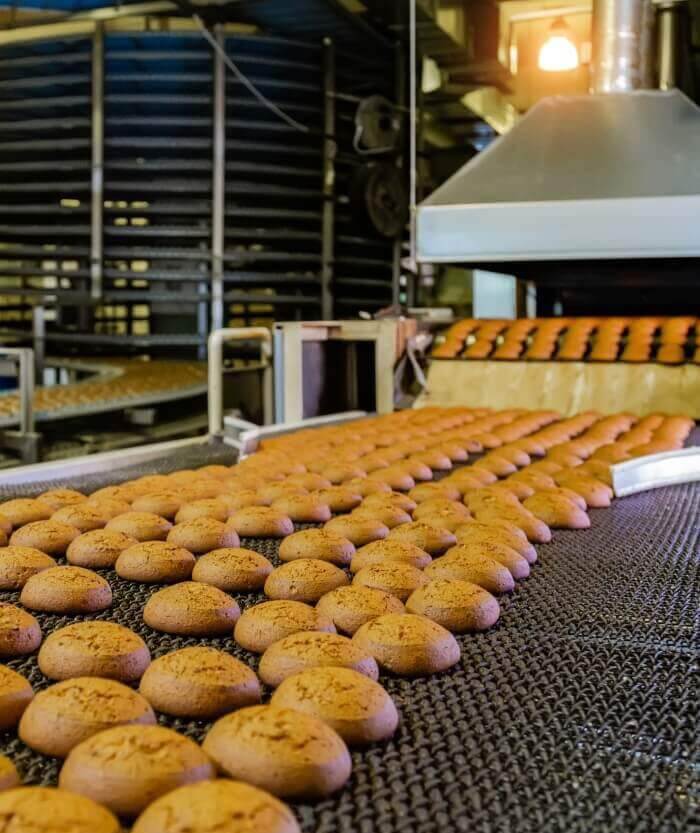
(117, 384)
(577, 713)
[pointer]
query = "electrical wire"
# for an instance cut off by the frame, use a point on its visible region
(247, 83)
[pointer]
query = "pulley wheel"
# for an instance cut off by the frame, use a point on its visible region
(379, 198)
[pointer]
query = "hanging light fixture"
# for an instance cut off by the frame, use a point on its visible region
(558, 53)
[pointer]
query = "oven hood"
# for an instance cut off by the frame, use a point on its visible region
(578, 178)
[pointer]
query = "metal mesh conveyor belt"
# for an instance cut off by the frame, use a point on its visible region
(577, 712)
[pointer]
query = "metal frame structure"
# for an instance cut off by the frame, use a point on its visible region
(24, 440)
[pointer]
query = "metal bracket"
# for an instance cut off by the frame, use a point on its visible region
(217, 339)
(669, 468)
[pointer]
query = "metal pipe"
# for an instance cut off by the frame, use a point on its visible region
(218, 201)
(329, 152)
(97, 203)
(400, 88)
(217, 339)
(668, 44)
(621, 52)
(39, 341)
(413, 186)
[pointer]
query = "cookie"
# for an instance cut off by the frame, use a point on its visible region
(82, 516)
(320, 544)
(23, 511)
(429, 538)
(213, 507)
(19, 631)
(128, 767)
(339, 473)
(388, 550)
(159, 562)
(516, 565)
(311, 649)
(363, 486)
(304, 580)
(596, 493)
(430, 491)
(393, 577)
(409, 645)
(202, 535)
(66, 590)
(108, 507)
(459, 606)
(359, 530)
(166, 503)
(144, 526)
(94, 649)
(191, 609)
(260, 522)
(98, 549)
(471, 566)
(356, 707)
(398, 479)
(221, 805)
(396, 499)
(350, 607)
(67, 713)
(474, 532)
(390, 516)
(15, 695)
(9, 777)
(284, 751)
(199, 682)
(18, 564)
(557, 511)
(58, 498)
(419, 471)
(339, 499)
(309, 480)
(263, 624)
(308, 508)
(47, 809)
(51, 537)
(232, 568)
(535, 529)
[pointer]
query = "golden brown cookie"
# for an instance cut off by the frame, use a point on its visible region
(82, 516)
(232, 568)
(66, 590)
(409, 645)
(202, 535)
(457, 605)
(312, 649)
(364, 486)
(350, 607)
(67, 713)
(339, 499)
(98, 549)
(199, 682)
(191, 609)
(473, 532)
(437, 506)
(398, 478)
(284, 751)
(9, 777)
(49, 809)
(357, 707)
(320, 544)
(94, 649)
(18, 564)
(388, 550)
(557, 511)
(432, 539)
(536, 530)
(516, 565)
(471, 566)
(390, 516)
(359, 530)
(395, 499)
(304, 580)
(128, 767)
(23, 511)
(165, 502)
(58, 498)
(19, 631)
(15, 695)
(596, 493)
(309, 480)
(306, 508)
(221, 805)
(395, 577)
(108, 507)
(260, 522)
(51, 537)
(144, 526)
(212, 507)
(263, 624)
(156, 562)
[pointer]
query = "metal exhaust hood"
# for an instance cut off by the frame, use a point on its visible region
(581, 177)
(612, 175)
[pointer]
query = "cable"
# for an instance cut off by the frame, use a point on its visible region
(216, 46)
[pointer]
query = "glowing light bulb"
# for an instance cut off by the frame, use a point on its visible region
(558, 53)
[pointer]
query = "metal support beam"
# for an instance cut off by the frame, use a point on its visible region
(97, 207)
(400, 92)
(218, 201)
(39, 341)
(329, 153)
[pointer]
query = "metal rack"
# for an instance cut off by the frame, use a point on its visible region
(148, 197)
